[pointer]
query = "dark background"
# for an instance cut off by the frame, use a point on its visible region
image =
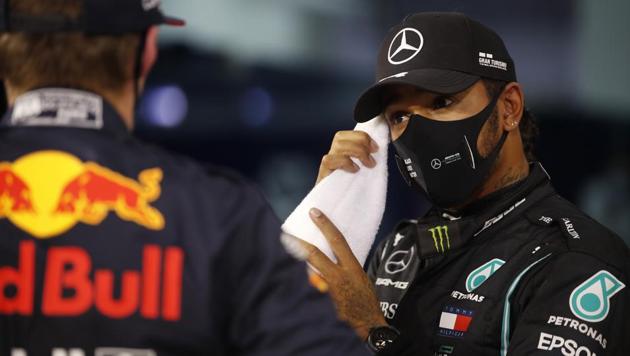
(262, 86)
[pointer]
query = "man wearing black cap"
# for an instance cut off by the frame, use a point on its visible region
(501, 264)
(111, 247)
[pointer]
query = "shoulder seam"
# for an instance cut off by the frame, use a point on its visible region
(618, 269)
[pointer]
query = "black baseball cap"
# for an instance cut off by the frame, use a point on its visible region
(98, 17)
(441, 52)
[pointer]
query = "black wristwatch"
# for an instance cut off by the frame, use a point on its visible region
(381, 336)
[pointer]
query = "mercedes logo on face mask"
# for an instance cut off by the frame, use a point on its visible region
(436, 163)
(405, 46)
(150, 4)
(399, 261)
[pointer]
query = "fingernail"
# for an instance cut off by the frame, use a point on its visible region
(315, 213)
(373, 161)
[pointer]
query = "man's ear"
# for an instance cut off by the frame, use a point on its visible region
(150, 54)
(512, 104)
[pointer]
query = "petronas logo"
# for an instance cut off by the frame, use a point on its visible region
(440, 238)
(482, 273)
(590, 301)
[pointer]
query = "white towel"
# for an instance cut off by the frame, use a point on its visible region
(354, 202)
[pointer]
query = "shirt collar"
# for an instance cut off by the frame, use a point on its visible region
(67, 108)
(439, 234)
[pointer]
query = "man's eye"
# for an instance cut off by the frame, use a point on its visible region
(441, 102)
(398, 118)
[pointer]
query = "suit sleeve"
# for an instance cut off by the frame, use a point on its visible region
(274, 309)
(376, 259)
(405, 344)
(575, 305)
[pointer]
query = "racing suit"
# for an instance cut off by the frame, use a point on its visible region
(521, 272)
(113, 247)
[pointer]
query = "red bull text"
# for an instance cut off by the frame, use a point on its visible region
(152, 292)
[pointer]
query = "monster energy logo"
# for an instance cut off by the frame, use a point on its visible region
(440, 233)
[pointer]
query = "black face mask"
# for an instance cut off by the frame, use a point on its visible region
(441, 157)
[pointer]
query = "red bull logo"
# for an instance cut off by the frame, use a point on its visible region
(153, 292)
(46, 193)
(14, 193)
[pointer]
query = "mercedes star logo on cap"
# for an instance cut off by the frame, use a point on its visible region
(407, 47)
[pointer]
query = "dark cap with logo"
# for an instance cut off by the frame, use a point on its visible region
(441, 52)
(98, 17)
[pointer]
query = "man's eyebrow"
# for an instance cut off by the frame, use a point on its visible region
(463, 92)
(391, 95)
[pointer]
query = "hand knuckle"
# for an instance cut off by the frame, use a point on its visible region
(336, 147)
(311, 250)
(365, 138)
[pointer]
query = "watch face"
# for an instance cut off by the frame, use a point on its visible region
(382, 336)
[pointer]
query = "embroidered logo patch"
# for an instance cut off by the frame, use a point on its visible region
(482, 273)
(441, 240)
(590, 301)
(454, 322)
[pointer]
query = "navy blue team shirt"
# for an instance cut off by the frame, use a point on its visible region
(109, 246)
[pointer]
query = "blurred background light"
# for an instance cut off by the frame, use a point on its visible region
(256, 107)
(164, 106)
